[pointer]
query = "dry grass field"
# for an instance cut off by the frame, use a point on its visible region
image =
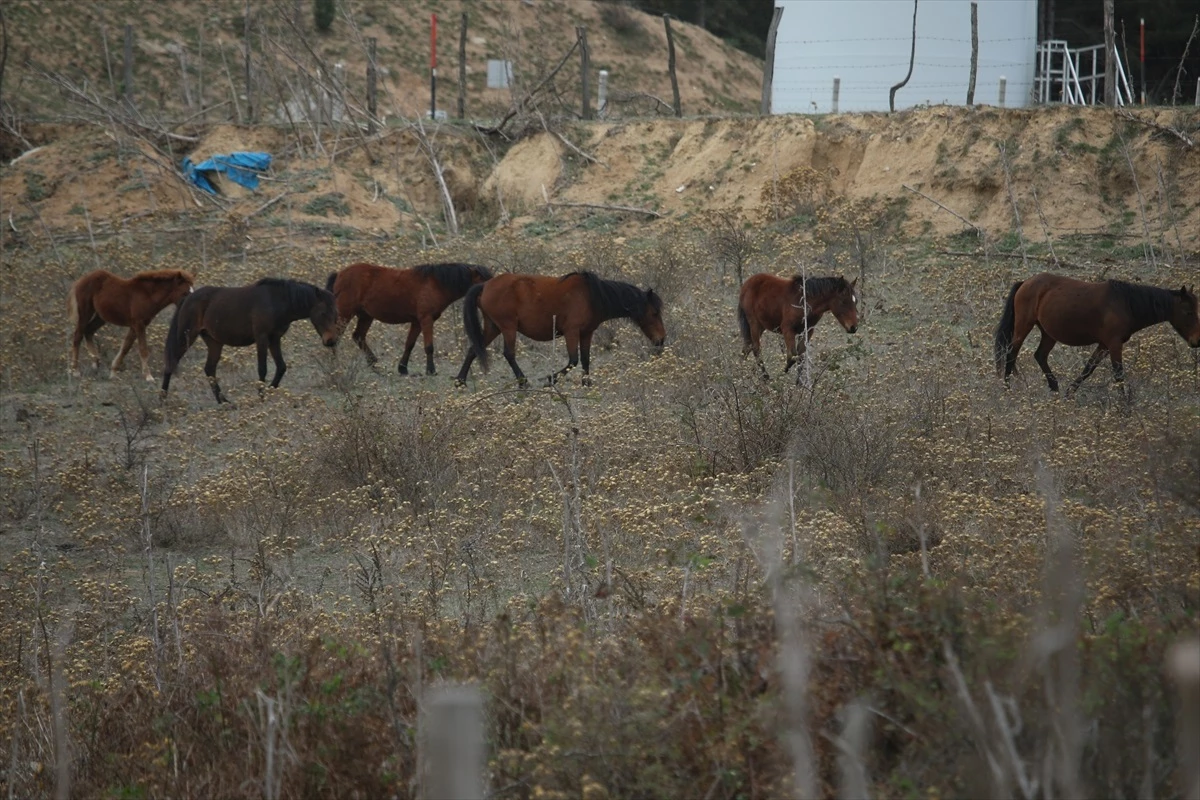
(895, 577)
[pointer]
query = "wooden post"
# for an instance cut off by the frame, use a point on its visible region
(1003, 90)
(371, 71)
(462, 68)
(912, 60)
(671, 65)
(1110, 52)
(127, 74)
(769, 64)
(585, 69)
(453, 745)
(974, 52)
(246, 57)
(837, 90)
(433, 66)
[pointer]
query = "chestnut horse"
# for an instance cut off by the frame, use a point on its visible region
(100, 296)
(545, 307)
(788, 306)
(258, 314)
(416, 296)
(1080, 313)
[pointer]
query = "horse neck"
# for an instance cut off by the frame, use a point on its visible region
(814, 306)
(1148, 305)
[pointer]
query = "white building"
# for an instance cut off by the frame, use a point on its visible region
(867, 44)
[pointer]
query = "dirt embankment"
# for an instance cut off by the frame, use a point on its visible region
(1062, 171)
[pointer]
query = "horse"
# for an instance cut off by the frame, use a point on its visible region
(1081, 313)
(416, 296)
(100, 296)
(788, 306)
(258, 314)
(545, 307)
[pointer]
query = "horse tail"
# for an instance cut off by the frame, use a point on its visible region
(744, 325)
(177, 343)
(473, 325)
(330, 281)
(1004, 331)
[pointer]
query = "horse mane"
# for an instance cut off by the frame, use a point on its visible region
(1145, 303)
(813, 288)
(454, 278)
(297, 294)
(162, 275)
(616, 298)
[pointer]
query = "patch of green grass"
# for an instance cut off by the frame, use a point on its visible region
(322, 205)
(35, 186)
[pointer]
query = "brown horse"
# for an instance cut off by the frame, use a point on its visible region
(1079, 313)
(545, 307)
(416, 296)
(258, 314)
(100, 296)
(788, 306)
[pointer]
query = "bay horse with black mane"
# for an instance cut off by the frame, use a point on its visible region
(789, 306)
(1081, 313)
(100, 296)
(258, 314)
(545, 307)
(415, 296)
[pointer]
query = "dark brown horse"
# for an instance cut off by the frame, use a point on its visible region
(258, 314)
(416, 296)
(545, 307)
(1079, 313)
(101, 297)
(788, 306)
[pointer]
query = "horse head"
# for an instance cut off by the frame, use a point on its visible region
(324, 317)
(651, 321)
(181, 286)
(1185, 315)
(844, 305)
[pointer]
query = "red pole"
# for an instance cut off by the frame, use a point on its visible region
(433, 67)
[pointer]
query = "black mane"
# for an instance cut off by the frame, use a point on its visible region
(296, 295)
(454, 278)
(816, 288)
(616, 298)
(1146, 304)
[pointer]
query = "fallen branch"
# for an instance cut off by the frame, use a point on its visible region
(269, 203)
(1149, 123)
(955, 214)
(648, 212)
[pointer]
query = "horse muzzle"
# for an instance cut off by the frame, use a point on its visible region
(658, 347)
(851, 328)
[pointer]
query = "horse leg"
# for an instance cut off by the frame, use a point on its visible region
(360, 337)
(585, 356)
(276, 346)
(427, 335)
(1093, 361)
(409, 343)
(210, 367)
(89, 330)
(490, 332)
(1042, 356)
(572, 338)
(510, 355)
(144, 353)
(789, 341)
(119, 361)
(755, 346)
(1118, 368)
(1022, 327)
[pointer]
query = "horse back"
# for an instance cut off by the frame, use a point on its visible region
(1072, 311)
(382, 293)
(766, 299)
(539, 306)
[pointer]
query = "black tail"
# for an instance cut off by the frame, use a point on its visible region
(329, 282)
(473, 325)
(1004, 331)
(744, 324)
(177, 343)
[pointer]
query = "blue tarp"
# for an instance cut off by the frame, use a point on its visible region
(241, 167)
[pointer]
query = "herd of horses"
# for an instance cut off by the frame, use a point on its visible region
(573, 306)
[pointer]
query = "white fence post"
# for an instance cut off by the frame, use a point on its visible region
(453, 743)
(602, 96)
(837, 86)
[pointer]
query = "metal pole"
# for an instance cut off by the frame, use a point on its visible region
(433, 66)
(454, 750)
(837, 87)
(602, 89)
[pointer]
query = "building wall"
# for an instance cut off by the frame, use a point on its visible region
(867, 44)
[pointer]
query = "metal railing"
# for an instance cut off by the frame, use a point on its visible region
(1061, 77)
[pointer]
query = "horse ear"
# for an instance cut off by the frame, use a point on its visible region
(854, 283)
